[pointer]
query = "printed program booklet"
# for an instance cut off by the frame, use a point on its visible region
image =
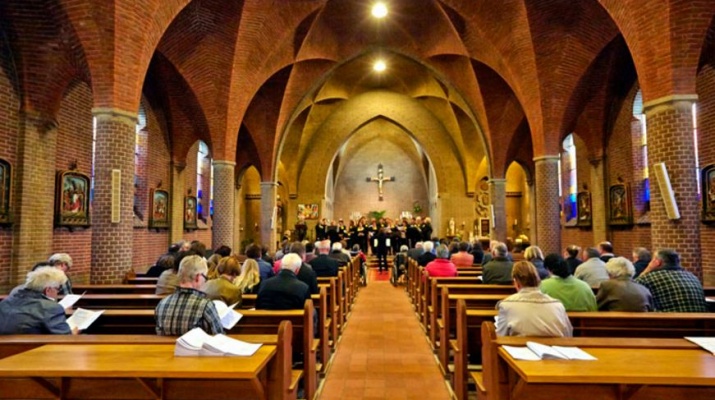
(537, 351)
(229, 316)
(196, 342)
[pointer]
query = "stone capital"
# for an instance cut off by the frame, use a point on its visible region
(547, 159)
(42, 121)
(665, 103)
(595, 161)
(178, 166)
(223, 163)
(269, 184)
(115, 114)
(497, 182)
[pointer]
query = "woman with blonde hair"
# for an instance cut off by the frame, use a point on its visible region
(223, 287)
(250, 279)
(535, 256)
(530, 312)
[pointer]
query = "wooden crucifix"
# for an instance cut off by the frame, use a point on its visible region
(380, 179)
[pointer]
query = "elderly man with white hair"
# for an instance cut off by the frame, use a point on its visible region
(428, 256)
(323, 265)
(620, 292)
(338, 255)
(32, 309)
(63, 261)
(188, 308)
(284, 291)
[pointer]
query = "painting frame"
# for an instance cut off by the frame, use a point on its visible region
(584, 210)
(309, 211)
(485, 227)
(72, 199)
(190, 209)
(707, 180)
(5, 191)
(159, 209)
(620, 208)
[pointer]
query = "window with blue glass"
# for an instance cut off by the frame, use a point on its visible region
(568, 160)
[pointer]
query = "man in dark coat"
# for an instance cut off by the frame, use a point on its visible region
(324, 265)
(284, 291)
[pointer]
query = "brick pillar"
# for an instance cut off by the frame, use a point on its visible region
(224, 195)
(269, 190)
(178, 192)
(548, 223)
(237, 217)
(598, 200)
(34, 194)
(670, 140)
(114, 150)
(530, 227)
(497, 194)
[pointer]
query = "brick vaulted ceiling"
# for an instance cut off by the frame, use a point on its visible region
(261, 81)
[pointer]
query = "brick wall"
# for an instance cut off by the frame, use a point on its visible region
(153, 166)
(204, 235)
(74, 143)
(706, 149)
(8, 149)
(580, 236)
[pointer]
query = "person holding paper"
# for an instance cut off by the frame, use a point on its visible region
(188, 308)
(32, 308)
(223, 287)
(530, 312)
(621, 293)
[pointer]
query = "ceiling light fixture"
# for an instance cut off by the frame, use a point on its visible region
(379, 66)
(379, 10)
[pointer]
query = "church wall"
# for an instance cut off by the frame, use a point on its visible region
(251, 198)
(625, 161)
(9, 121)
(153, 167)
(74, 143)
(580, 236)
(706, 151)
(203, 235)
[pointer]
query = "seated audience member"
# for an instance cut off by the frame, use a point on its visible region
(32, 309)
(571, 254)
(266, 255)
(477, 252)
(310, 251)
(165, 262)
(620, 293)
(535, 256)
(641, 259)
(416, 252)
(356, 252)
(673, 288)
(593, 270)
(530, 312)
(323, 265)
(249, 281)
(462, 258)
(198, 248)
(188, 308)
(284, 291)
(169, 280)
(223, 251)
(441, 266)
(400, 262)
(338, 255)
(253, 252)
(63, 261)
(574, 293)
(488, 251)
(212, 263)
(223, 287)
(305, 273)
(605, 251)
(498, 270)
(427, 256)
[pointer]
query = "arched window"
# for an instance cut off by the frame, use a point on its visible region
(204, 175)
(695, 142)
(568, 165)
(640, 116)
(140, 148)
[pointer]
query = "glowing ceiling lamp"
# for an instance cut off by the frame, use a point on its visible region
(379, 66)
(379, 10)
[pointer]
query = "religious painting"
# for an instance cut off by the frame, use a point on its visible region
(620, 211)
(308, 211)
(72, 199)
(583, 201)
(484, 224)
(5, 187)
(708, 191)
(190, 212)
(159, 209)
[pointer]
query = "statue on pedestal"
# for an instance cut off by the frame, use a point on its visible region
(452, 228)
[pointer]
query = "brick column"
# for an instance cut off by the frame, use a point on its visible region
(670, 140)
(34, 194)
(268, 205)
(224, 194)
(548, 224)
(497, 195)
(178, 192)
(114, 150)
(237, 217)
(598, 200)
(531, 226)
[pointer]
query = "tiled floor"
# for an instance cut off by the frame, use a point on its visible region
(383, 353)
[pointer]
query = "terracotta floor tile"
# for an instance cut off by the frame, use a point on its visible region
(383, 353)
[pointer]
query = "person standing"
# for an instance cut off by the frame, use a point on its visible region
(380, 246)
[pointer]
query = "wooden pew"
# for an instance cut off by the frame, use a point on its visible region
(141, 281)
(279, 381)
(497, 379)
(586, 324)
(426, 297)
(333, 302)
(114, 289)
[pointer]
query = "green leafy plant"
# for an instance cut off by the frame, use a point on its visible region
(417, 207)
(377, 214)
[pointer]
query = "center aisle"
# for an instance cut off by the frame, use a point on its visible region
(383, 353)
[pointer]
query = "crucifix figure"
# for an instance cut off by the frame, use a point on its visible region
(380, 180)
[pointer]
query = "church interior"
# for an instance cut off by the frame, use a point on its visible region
(126, 126)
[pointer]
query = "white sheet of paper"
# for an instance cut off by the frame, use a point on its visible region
(229, 346)
(69, 300)
(82, 318)
(707, 343)
(521, 353)
(574, 353)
